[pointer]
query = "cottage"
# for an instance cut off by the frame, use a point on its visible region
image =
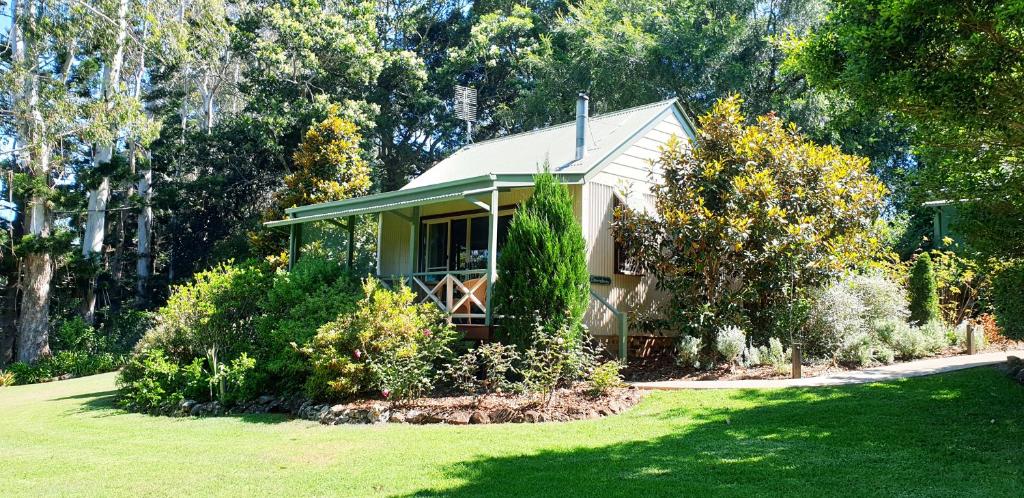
(443, 231)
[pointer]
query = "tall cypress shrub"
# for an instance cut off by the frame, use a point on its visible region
(924, 293)
(542, 271)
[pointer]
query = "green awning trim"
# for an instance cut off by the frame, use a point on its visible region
(400, 199)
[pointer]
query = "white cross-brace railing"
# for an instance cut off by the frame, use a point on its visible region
(452, 295)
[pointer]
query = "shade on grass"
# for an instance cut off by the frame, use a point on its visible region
(958, 434)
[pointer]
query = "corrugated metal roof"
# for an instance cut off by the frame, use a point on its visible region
(526, 153)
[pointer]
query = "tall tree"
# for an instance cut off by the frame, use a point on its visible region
(954, 72)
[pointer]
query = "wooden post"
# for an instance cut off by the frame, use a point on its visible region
(414, 237)
(294, 244)
(351, 242)
(971, 347)
(492, 255)
(797, 360)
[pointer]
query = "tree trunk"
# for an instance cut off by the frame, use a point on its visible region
(34, 325)
(8, 321)
(144, 228)
(33, 331)
(96, 218)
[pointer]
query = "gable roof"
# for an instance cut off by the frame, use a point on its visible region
(526, 153)
(505, 162)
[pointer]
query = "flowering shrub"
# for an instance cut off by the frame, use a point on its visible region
(730, 342)
(388, 344)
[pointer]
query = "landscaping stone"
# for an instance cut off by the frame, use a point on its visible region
(479, 417)
(211, 409)
(377, 414)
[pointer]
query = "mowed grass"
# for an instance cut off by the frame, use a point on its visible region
(959, 434)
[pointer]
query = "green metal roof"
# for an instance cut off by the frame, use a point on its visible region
(510, 161)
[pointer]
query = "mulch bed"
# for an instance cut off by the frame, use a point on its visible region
(565, 405)
(663, 367)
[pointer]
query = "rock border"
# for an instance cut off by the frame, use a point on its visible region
(498, 409)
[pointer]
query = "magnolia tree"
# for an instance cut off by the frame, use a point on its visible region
(747, 217)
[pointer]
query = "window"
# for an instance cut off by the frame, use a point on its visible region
(459, 242)
(623, 263)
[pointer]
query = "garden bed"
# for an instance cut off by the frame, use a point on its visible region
(663, 367)
(567, 404)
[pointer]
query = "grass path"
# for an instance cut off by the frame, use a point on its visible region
(956, 434)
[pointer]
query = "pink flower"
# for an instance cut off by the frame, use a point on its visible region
(426, 332)
(357, 353)
(385, 393)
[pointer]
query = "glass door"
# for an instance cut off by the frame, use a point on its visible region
(436, 247)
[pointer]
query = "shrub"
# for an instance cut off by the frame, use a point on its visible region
(751, 205)
(835, 318)
(730, 342)
(389, 344)
(688, 351)
(910, 342)
(316, 291)
(1008, 300)
(152, 382)
(924, 294)
(543, 268)
(7, 378)
(882, 298)
(605, 377)
(551, 361)
(776, 355)
(484, 369)
(751, 357)
(217, 310)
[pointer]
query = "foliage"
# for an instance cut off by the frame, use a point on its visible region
(329, 166)
(388, 344)
(542, 271)
(152, 382)
(953, 73)
(688, 351)
(730, 342)
(216, 310)
(225, 380)
(775, 355)
(551, 361)
(1008, 300)
(911, 342)
(605, 377)
(7, 378)
(74, 363)
(297, 303)
(854, 319)
(836, 316)
(924, 295)
(748, 216)
(486, 368)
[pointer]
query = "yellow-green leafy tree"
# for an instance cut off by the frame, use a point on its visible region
(749, 215)
(328, 166)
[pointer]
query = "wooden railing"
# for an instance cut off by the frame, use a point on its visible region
(461, 293)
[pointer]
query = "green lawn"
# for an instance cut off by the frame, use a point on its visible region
(959, 434)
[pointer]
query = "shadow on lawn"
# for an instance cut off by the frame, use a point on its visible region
(929, 436)
(106, 401)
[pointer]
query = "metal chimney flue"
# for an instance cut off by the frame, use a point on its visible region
(582, 125)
